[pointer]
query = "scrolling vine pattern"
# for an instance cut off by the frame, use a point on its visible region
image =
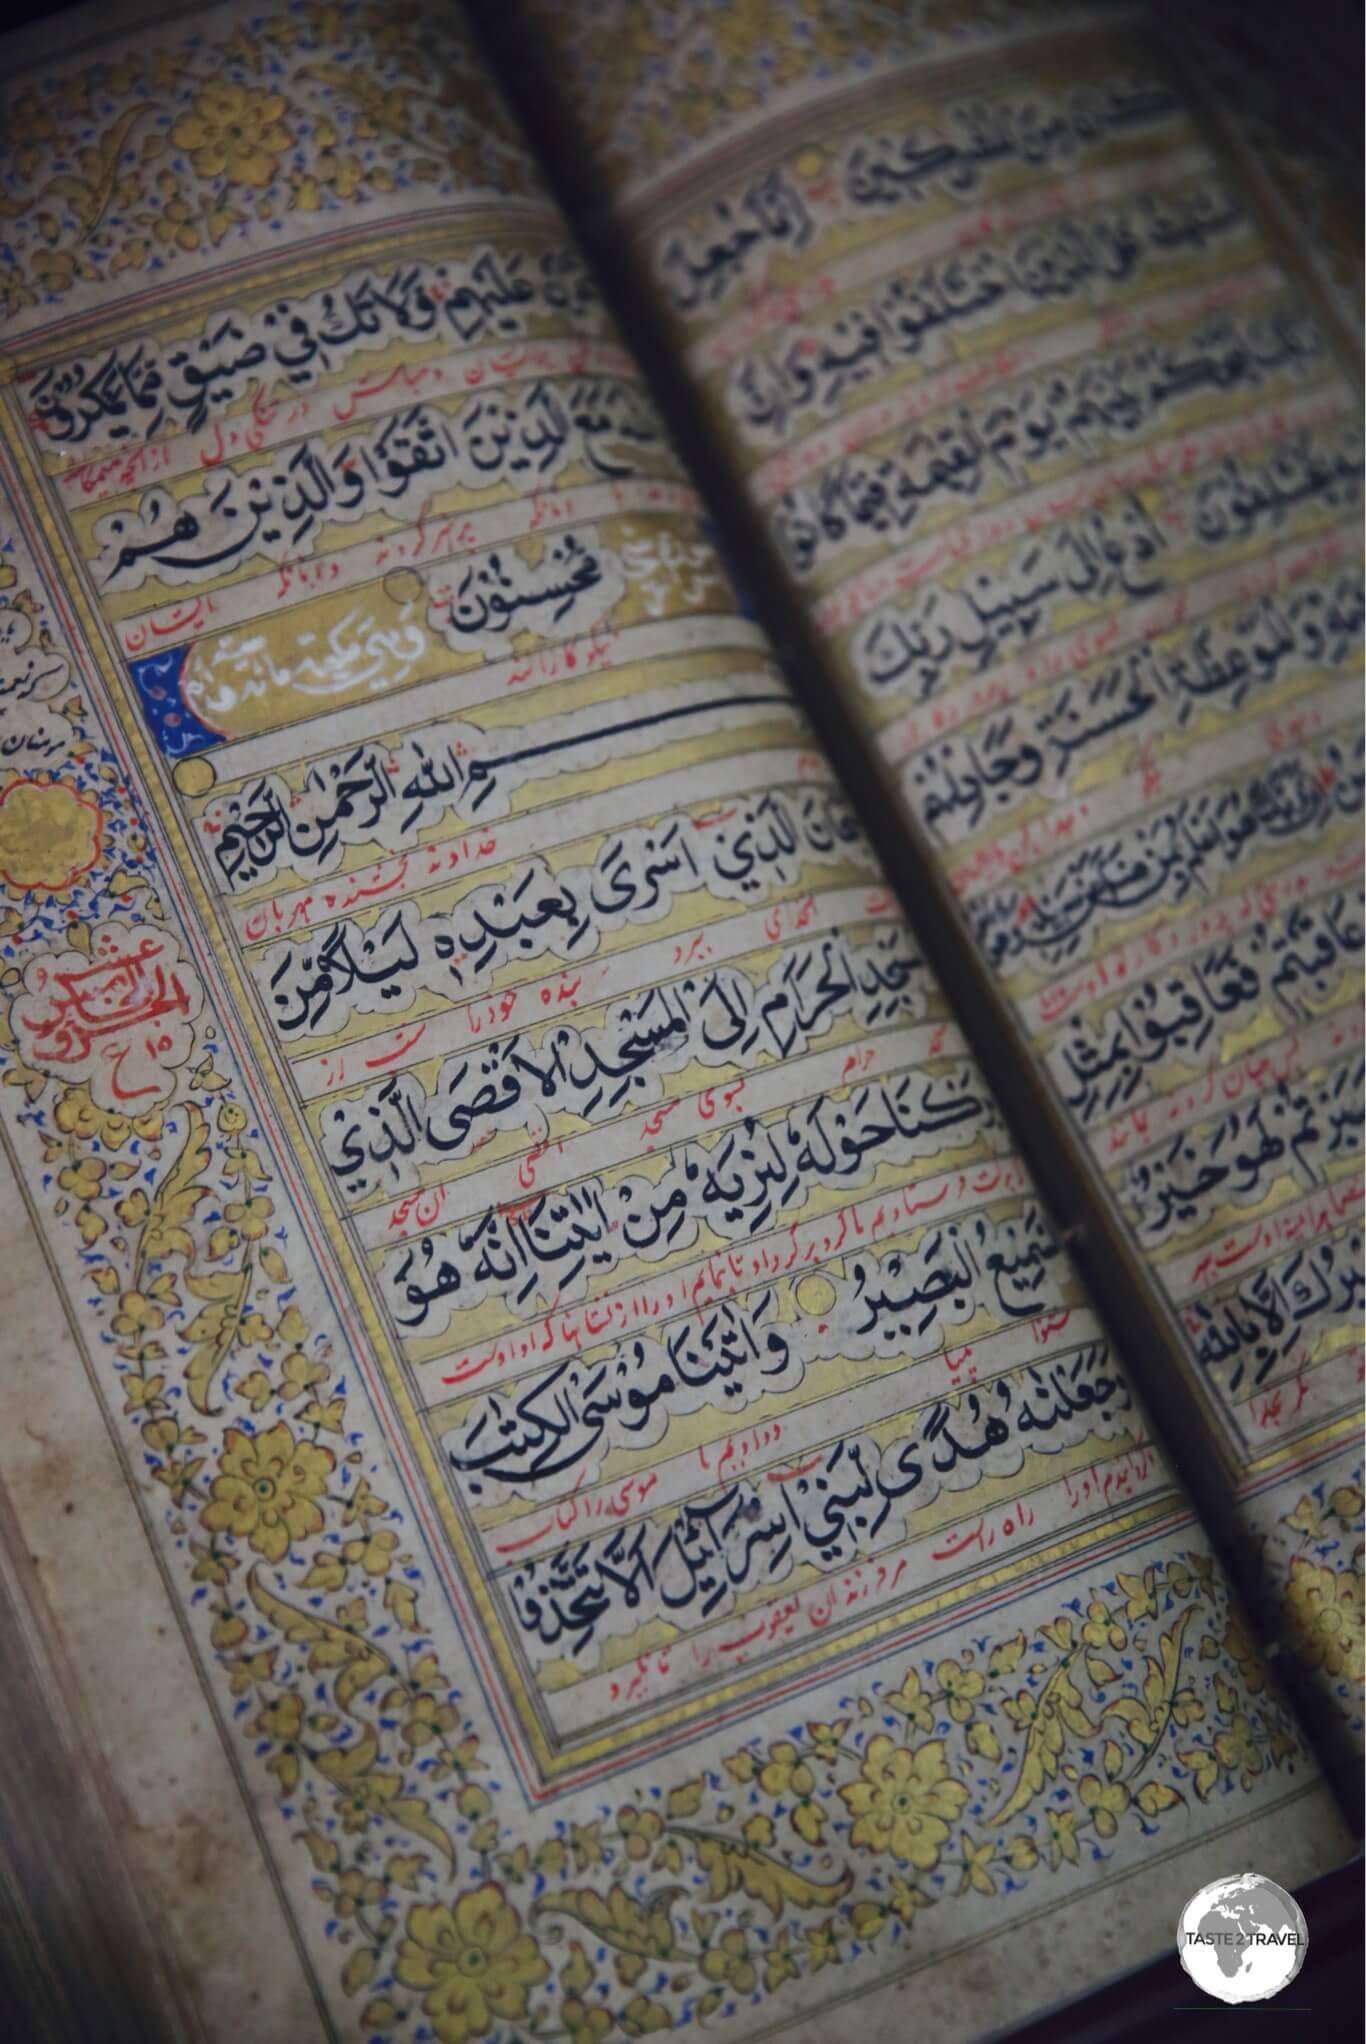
(648, 83)
(137, 163)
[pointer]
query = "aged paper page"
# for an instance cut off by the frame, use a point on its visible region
(661, 1530)
(1067, 479)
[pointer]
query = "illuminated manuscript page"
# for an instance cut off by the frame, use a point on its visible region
(1067, 478)
(606, 1434)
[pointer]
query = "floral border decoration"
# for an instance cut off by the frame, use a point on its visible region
(977, 1773)
(645, 85)
(1322, 1604)
(138, 161)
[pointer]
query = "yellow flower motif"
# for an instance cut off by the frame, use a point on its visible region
(1282, 1744)
(235, 133)
(138, 1314)
(903, 1900)
(133, 1208)
(780, 1962)
(375, 1553)
(1324, 1607)
(175, 224)
(1241, 1648)
(77, 1115)
(787, 1774)
(281, 1719)
(728, 1962)
(83, 1178)
(474, 1802)
(1237, 1748)
(362, 1799)
(905, 1801)
(961, 1686)
(867, 1920)
(257, 1389)
(364, 1504)
(1101, 1628)
(982, 1739)
(585, 2025)
(821, 1947)
(1105, 1801)
(1022, 1709)
(1062, 1839)
(243, 1221)
(1141, 1592)
(642, 1830)
(1187, 1709)
(429, 1720)
(474, 1961)
(911, 1699)
(53, 270)
(356, 1890)
(1306, 1517)
(250, 1217)
(14, 296)
(267, 1489)
(340, 172)
(130, 255)
(977, 1865)
(1022, 1853)
(585, 1844)
(825, 1739)
(49, 835)
(1346, 1503)
(28, 120)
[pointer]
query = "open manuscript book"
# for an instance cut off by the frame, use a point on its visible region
(559, 1479)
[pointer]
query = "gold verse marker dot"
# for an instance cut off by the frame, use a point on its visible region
(815, 1294)
(194, 776)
